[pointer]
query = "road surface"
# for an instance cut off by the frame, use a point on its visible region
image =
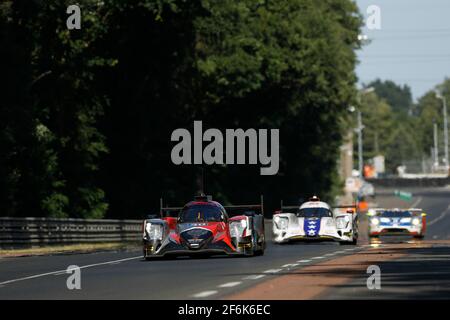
(409, 269)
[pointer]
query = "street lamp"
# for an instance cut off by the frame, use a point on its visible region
(359, 130)
(439, 95)
(436, 149)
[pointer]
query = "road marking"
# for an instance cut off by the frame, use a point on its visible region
(315, 258)
(268, 271)
(415, 204)
(441, 216)
(329, 254)
(65, 271)
(230, 284)
(304, 261)
(290, 265)
(204, 294)
(254, 277)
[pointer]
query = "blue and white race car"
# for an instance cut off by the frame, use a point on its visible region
(315, 220)
(410, 222)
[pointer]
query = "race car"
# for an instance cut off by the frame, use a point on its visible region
(316, 220)
(205, 227)
(410, 222)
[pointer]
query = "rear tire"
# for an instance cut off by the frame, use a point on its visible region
(259, 252)
(262, 247)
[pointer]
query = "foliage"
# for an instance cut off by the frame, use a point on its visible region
(87, 115)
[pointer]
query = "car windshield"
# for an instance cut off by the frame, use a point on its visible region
(201, 213)
(395, 214)
(314, 212)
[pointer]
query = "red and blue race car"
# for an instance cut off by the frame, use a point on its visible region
(204, 226)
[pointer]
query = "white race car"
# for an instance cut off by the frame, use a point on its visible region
(410, 222)
(316, 220)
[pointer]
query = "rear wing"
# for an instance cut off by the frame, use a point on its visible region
(232, 211)
(348, 207)
(246, 210)
(284, 208)
(353, 207)
(414, 211)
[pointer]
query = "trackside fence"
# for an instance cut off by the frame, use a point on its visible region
(18, 232)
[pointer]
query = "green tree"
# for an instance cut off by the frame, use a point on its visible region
(99, 104)
(397, 96)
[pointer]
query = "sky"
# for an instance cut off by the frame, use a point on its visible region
(412, 46)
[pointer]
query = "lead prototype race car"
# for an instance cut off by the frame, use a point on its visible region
(205, 227)
(316, 220)
(409, 222)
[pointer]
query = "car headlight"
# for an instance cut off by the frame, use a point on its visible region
(342, 223)
(416, 221)
(154, 231)
(375, 221)
(281, 222)
(385, 220)
(237, 228)
(405, 220)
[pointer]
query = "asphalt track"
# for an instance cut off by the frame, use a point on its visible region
(124, 275)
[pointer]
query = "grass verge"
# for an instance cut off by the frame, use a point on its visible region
(71, 248)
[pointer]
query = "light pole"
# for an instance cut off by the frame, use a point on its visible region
(439, 95)
(359, 130)
(436, 150)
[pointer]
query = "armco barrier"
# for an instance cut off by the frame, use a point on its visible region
(403, 182)
(38, 231)
(26, 232)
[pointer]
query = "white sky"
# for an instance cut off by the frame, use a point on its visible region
(412, 47)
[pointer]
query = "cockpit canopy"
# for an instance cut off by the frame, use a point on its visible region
(314, 212)
(201, 213)
(395, 214)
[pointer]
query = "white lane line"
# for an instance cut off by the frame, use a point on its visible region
(304, 261)
(254, 277)
(268, 271)
(415, 204)
(65, 271)
(204, 294)
(289, 265)
(329, 254)
(230, 284)
(316, 258)
(441, 216)
(342, 251)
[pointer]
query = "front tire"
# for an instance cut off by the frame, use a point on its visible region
(354, 242)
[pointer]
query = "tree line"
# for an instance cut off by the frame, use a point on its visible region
(399, 128)
(86, 115)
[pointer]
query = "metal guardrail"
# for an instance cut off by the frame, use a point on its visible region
(39, 231)
(404, 182)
